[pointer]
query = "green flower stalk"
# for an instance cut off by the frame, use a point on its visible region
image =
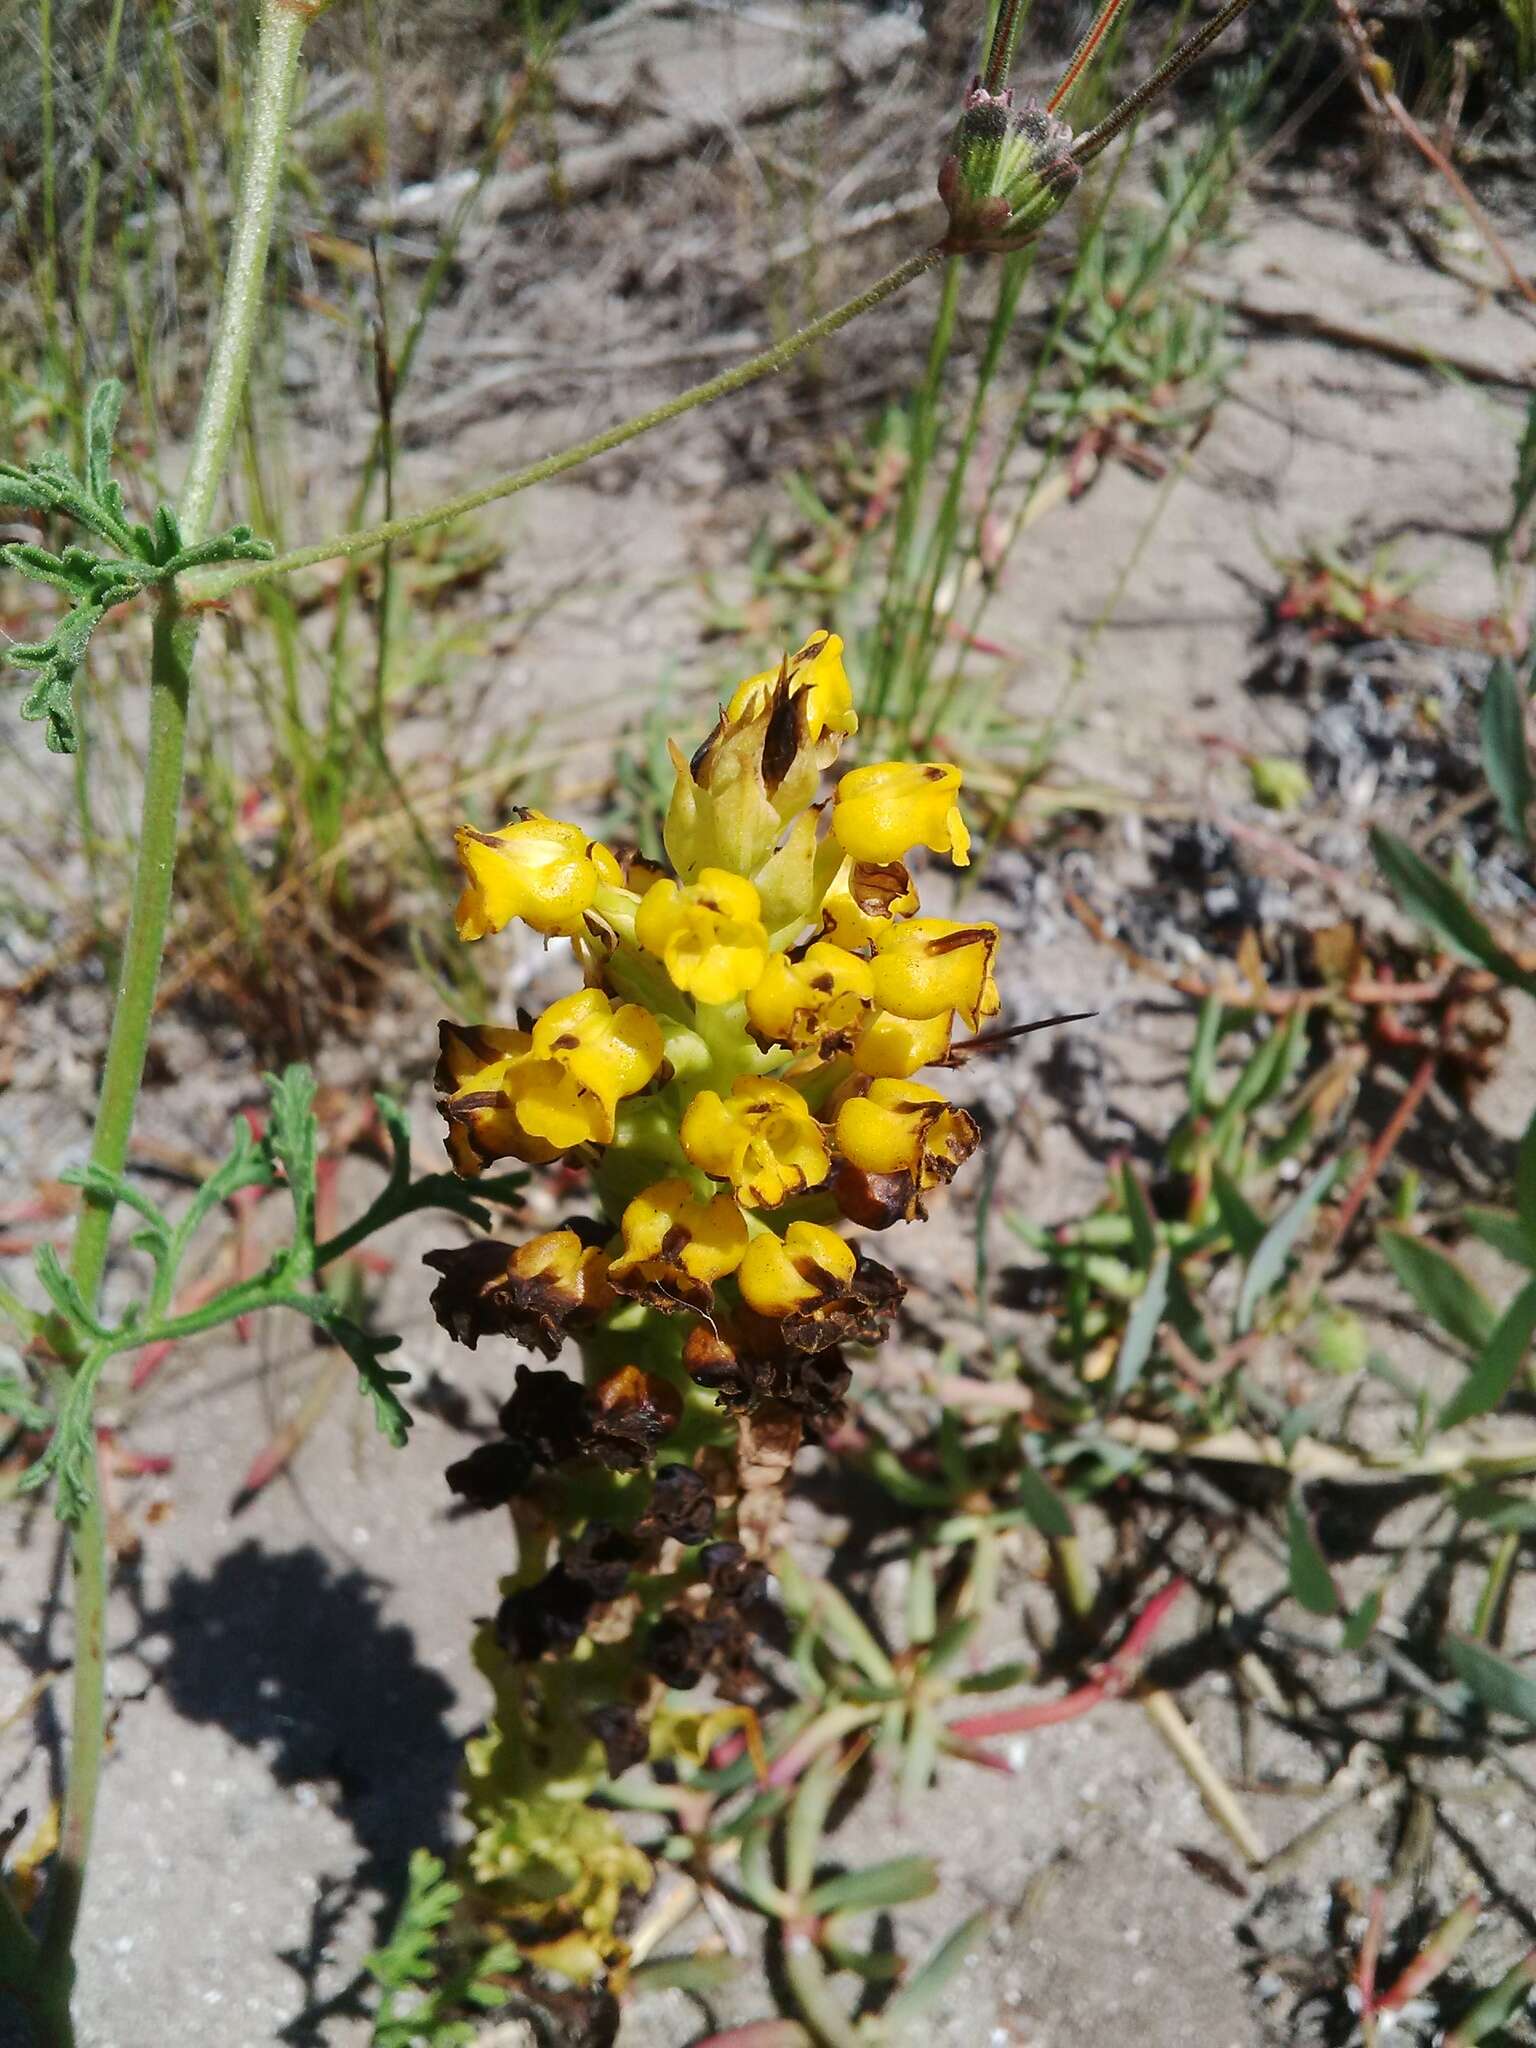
(738, 1076)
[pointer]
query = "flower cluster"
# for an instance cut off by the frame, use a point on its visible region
(738, 1076)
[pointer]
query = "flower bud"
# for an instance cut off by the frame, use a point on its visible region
(1008, 172)
(708, 934)
(929, 966)
(761, 1138)
(761, 764)
(676, 1246)
(813, 1003)
(884, 810)
(531, 1293)
(538, 869)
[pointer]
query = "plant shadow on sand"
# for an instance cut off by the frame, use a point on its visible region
(295, 1659)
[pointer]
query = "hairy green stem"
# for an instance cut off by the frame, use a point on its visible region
(203, 588)
(281, 33)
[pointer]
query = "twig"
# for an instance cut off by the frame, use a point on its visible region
(1220, 1800)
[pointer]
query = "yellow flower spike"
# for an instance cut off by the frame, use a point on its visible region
(892, 1047)
(761, 1138)
(816, 675)
(538, 869)
(884, 810)
(901, 1127)
(708, 934)
(677, 1245)
(809, 1264)
(929, 965)
(817, 1001)
(584, 1057)
(863, 899)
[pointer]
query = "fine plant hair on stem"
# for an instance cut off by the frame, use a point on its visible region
(1098, 139)
(346, 545)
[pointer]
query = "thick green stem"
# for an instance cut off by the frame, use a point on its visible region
(341, 547)
(282, 30)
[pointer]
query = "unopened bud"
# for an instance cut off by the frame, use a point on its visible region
(1009, 171)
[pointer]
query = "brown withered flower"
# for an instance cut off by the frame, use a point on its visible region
(682, 1505)
(625, 1742)
(632, 1411)
(549, 1415)
(550, 1615)
(491, 1475)
(531, 1292)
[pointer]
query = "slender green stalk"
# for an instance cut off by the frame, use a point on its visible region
(343, 546)
(50, 262)
(282, 30)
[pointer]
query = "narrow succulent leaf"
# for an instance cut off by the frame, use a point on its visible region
(1361, 1624)
(1202, 1059)
(1442, 1289)
(1488, 1503)
(929, 1983)
(1503, 1230)
(1143, 1222)
(1506, 750)
(1525, 1187)
(1497, 1365)
(1496, 2007)
(1043, 1504)
(1502, 1686)
(1310, 1579)
(1267, 1267)
(1141, 1327)
(1426, 895)
(882, 1885)
(1242, 1222)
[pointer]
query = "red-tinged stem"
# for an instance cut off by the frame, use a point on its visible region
(1088, 146)
(1437, 1955)
(1370, 1951)
(1039, 1714)
(1082, 56)
(1110, 1681)
(1386, 1143)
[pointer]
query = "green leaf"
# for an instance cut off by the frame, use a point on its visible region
(1497, 1365)
(1311, 1581)
(1506, 750)
(70, 1457)
(1488, 1503)
(1361, 1625)
(1043, 1504)
(896, 1883)
(1505, 1687)
(1202, 1059)
(1504, 1231)
(292, 1141)
(17, 1403)
(112, 1188)
(101, 417)
(1426, 895)
(1141, 1328)
(1267, 1266)
(1241, 1221)
(1441, 1288)
(1523, 497)
(1143, 1222)
(64, 1294)
(928, 1985)
(1525, 1184)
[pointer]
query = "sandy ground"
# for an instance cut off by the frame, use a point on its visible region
(290, 1679)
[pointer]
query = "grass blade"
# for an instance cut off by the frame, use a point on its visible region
(1497, 1365)
(1141, 1327)
(1506, 750)
(1499, 1684)
(1278, 1242)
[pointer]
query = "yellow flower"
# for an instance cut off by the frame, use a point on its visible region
(762, 1139)
(882, 810)
(863, 899)
(676, 1246)
(583, 1057)
(709, 935)
(813, 1001)
(809, 1264)
(815, 675)
(901, 1127)
(892, 1047)
(483, 1124)
(929, 965)
(537, 868)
